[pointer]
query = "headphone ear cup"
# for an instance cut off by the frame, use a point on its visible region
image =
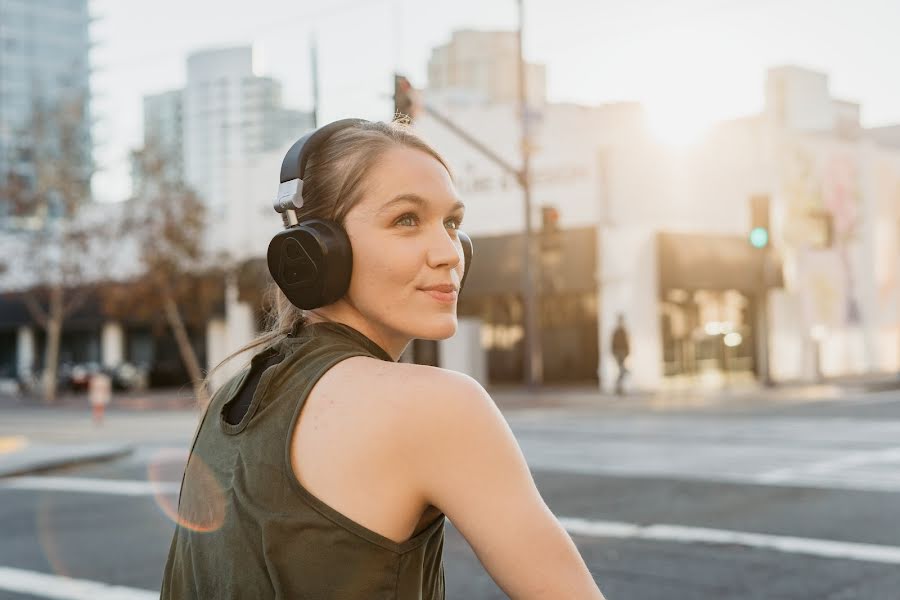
(468, 250)
(311, 262)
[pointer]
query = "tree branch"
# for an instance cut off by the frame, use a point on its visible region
(34, 308)
(77, 300)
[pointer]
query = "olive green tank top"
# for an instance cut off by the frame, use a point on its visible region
(246, 526)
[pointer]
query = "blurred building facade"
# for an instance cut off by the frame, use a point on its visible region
(229, 115)
(628, 225)
(164, 130)
(670, 227)
(483, 66)
(224, 117)
(44, 61)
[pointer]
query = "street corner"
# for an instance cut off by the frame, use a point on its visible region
(21, 456)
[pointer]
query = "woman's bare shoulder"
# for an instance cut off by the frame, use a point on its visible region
(411, 387)
(408, 405)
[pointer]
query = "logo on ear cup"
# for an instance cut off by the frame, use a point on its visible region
(296, 268)
(311, 263)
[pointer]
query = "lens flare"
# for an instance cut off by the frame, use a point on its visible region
(46, 517)
(14, 443)
(202, 498)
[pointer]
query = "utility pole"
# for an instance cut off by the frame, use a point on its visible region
(533, 358)
(760, 239)
(314, 61)
(762, 319)
(405, 102)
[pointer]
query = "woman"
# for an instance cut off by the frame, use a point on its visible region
(326, 468)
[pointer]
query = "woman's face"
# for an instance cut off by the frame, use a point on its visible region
(403, 234)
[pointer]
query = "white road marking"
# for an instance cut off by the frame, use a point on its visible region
(67, 588)
(119, 487)
(53, 586)
(832, 466)
(788, 544)
(818, 453)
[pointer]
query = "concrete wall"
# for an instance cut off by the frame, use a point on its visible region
(25, 350)
(112, 344)
(463, 352)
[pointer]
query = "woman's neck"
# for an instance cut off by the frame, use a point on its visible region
(350, 317)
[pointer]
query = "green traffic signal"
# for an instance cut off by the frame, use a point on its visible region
(759, 237)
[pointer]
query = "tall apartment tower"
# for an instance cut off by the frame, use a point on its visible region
(230, 114)
(483, 66)
(164, 131)
(44, 61)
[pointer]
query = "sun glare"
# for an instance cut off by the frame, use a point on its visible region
(677, 124)
(689, 87)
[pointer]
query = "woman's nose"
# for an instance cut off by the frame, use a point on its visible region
(444, 251)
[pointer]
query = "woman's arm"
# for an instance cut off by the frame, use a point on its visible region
(466, 462)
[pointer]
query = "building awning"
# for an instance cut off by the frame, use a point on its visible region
(497, 264)
(699, 261)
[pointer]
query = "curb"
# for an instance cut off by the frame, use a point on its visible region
(48, 457)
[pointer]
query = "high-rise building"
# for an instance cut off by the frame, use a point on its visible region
(44, 64)
(164, 131)
(483, 66)
(230, 114)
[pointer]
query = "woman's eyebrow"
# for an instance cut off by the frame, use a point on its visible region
(415, 199)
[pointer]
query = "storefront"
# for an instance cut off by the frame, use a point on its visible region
(567, 306)
(710, 305)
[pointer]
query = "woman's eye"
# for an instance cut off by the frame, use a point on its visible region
(411, 219)
(406, 217)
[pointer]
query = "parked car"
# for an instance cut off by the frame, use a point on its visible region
(80, 376)
(125, 376)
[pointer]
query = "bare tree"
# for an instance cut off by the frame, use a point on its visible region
(166, 220)
(46, 188)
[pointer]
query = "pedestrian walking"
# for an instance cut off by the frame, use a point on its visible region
(99, 394)
(620, 351)
(325, 468)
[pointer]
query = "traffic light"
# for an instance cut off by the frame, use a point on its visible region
(759, 221)
(405, 98)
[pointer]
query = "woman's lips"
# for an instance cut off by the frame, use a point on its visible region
(446, 297)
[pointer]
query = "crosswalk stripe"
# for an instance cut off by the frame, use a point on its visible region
(788, 544)
(67, 588)
(576, 526)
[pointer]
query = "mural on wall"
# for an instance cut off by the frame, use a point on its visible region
(823, 291)
(820, 187)
(841, 199)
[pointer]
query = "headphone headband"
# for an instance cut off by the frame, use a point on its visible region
(293, 167)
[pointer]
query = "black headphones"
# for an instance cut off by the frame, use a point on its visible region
(311, 260)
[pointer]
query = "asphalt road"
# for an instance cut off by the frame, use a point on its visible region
(765, 500)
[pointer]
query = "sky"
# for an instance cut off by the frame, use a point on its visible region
(689, 61)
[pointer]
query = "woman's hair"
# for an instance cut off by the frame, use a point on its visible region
(333, 183)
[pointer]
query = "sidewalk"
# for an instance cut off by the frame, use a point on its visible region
(37, 437)
(517, 397)
(155, 399)
(513, 396)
